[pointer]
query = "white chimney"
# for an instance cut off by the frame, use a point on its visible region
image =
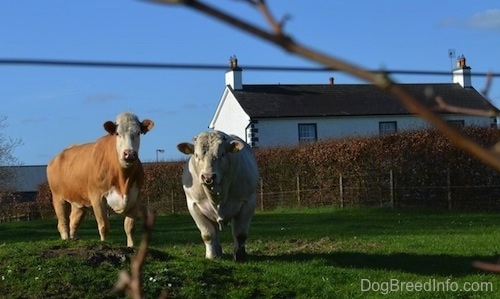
(233, 74)
(461, 74)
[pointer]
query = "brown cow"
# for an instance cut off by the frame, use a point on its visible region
(98, 174)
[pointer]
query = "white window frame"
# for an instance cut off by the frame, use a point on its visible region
(458, 123)
(307, 132)
(387, 127)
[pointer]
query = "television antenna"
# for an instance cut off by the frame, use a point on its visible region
(451, 55)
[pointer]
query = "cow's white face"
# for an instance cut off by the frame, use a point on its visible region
(210, 155)
(127, 130)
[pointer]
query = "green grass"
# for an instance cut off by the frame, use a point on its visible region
(298, 253)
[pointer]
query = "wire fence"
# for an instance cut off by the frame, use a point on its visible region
(343, 194)
(344, 191)
(382, 192)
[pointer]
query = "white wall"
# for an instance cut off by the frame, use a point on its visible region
(231, 118)
(275, 132)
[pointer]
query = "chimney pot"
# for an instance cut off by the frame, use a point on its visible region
(233, 62)
(233, 74)
(462, 74)
(461, 62)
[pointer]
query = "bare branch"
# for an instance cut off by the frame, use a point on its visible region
(131, 283)
(443, 106)
(277, 27)
(489, 267)
(489, 80)
(382, 81)
(281, 39)
(486, 90)
(171, 1)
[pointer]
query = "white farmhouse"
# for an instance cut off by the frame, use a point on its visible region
(286, 114)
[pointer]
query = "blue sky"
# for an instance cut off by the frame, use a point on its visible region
(50, 108)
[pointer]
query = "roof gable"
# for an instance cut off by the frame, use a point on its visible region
(270, 101)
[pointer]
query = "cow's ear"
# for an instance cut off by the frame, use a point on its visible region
(110, 127)
(186, 148)
(235, 146)
(146, 126)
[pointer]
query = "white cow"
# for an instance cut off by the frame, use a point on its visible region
(98, 174)
(220, 181)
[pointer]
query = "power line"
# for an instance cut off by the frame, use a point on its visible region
(187, 66)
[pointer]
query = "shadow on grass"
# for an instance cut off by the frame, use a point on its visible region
(432, 265)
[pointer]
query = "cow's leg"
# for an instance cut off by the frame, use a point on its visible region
(101, 216)
(129, 223)
(211, 237)
(62, 209)
(75, 218)
(209, 232)
(240, 225)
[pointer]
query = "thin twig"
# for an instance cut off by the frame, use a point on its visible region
(277, 27)
(489, 267)
(489, 80)
(131, 283)
(380, 80)
(443, 106)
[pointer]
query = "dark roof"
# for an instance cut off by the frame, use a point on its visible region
(27, 178)
(269, 101)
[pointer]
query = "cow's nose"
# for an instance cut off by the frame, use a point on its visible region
(129, 154)
(208, 177)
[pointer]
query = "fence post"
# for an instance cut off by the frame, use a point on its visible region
(391, 189)
(298, 190)
(261, 195)
(448, 187)
(172, 198)
(341, 189)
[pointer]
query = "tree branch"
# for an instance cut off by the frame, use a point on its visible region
(379, 79)
(489, 81)
(443, 106)
(489, 267)
(131, 283)
(277, 27)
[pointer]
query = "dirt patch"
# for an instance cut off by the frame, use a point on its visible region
(322, 245)
(95, 254)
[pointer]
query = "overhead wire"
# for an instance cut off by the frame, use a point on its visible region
(197, 66)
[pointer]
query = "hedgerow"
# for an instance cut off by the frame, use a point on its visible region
(427, 170)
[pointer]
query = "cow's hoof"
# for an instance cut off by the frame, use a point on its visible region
(240, 255)
(213, 257)
(218, 251)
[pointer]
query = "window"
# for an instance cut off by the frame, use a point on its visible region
(457, 123)
(307, 132)
(387, 127)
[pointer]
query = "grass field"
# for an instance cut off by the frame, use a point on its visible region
(301, 253)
